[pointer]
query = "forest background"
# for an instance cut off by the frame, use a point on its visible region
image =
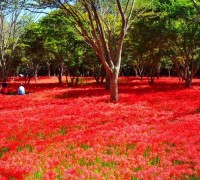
(70, 130)
(162, 38)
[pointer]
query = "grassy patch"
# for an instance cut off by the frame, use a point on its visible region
(3, 151)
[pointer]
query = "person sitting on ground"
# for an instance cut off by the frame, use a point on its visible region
(21, 90)
(4, 87)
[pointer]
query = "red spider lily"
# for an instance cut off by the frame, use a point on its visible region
(75, 133)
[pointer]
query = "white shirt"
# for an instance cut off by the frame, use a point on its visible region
(21, 90)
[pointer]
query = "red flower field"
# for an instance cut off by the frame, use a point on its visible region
(56, 132)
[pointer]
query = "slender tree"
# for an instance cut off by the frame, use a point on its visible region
(185, 44)
(12, 22)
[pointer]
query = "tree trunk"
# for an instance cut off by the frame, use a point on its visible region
(3, 71)
(36, 71)
(188, 81)
(48, 69)
(60, 77)
(114, 87)
(107, 85)
(136, 71)
(60, 72)
(169, 72)
(158, 72)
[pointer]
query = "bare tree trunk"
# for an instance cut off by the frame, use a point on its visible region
(114, 88)
(60, 77)
(136, 71)
(107, 85)
(36, 72)
(60, 72)
(3, 71)
(188, 82)
(169, 72)
(48, 69)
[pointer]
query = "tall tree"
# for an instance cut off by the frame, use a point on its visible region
(185, 42)
(146, 40)
(61, 42)
(33, 46)
(12, 22)
(103, 24)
